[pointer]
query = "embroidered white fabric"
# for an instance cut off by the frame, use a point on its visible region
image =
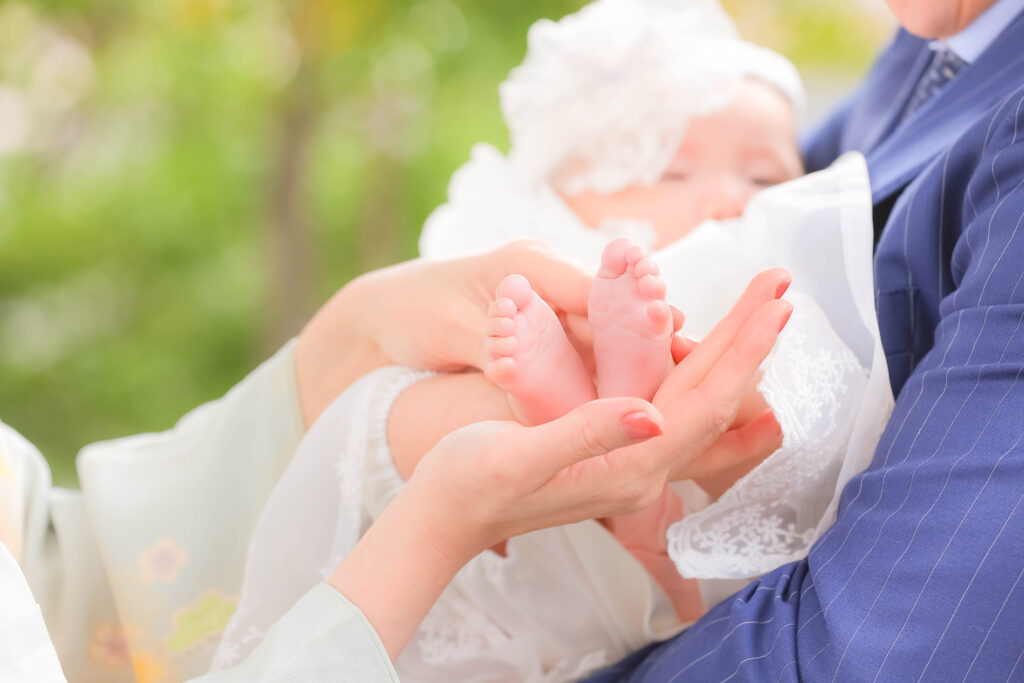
(826, 380)
(603, 97)
(562, 602)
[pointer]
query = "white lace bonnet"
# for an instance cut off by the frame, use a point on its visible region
(612, 87)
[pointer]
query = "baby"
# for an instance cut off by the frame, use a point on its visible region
(593, 156)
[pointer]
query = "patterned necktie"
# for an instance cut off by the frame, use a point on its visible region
(945, 65)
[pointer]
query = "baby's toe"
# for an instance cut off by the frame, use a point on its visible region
(659, 313)
(635, 254)
(646, 266)
(651, 287)
(501, 371)
(613, 259)
(502, 307)
(517, 288)
(500, 326)
(500, 347)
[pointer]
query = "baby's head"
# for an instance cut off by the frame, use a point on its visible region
(725, 157)
(652, 110)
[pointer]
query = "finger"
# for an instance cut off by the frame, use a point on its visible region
(581, 336)
(724, 388)
(734, 454)
(565, 287)
(700, 416)
(594, 429)
(682, 346)
(677, 318)
(766, 286)
(753, 405)
(578, 329)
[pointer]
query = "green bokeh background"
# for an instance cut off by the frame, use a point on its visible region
(183, 182)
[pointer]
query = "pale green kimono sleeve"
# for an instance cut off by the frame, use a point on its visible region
(323, 637)
(137, 575)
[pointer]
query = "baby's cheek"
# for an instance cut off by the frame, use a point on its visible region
(674, 214)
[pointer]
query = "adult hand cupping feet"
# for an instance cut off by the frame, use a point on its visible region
(480, 485)
(529, 355)
(492, 480)
(715, 381)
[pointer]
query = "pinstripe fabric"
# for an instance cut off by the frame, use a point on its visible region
(921, 578)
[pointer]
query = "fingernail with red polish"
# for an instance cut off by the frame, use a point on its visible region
(782, 289)
(785, 319)
(639, 425)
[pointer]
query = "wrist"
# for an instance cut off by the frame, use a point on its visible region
(398, 570)
(454, 536)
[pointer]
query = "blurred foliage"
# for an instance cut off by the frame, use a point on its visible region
(182, 182)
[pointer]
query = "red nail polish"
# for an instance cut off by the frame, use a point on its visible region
(639, 425)
(782, 289)
(785, 319)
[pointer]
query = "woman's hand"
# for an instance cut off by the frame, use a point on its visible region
(425, 314)
(753, 435)
(480, 485)
(741, 429)
(492, 480)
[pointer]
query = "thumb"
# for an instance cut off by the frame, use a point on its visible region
(564, 286)
(595, 428)
(682, 346)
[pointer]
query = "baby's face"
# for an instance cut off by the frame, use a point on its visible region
(725, 158)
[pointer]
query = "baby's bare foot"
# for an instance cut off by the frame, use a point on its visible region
(530, 357)
(631, 322)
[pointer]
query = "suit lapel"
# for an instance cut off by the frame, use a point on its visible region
(890, 82)
(938, 123)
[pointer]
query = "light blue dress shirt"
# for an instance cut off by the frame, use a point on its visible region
(975, 39)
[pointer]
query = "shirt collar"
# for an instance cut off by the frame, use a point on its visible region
(983, 31)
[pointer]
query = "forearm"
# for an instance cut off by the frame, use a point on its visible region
(397, 572)
(334, 350)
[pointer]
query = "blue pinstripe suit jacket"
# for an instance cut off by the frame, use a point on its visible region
(922, 575)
